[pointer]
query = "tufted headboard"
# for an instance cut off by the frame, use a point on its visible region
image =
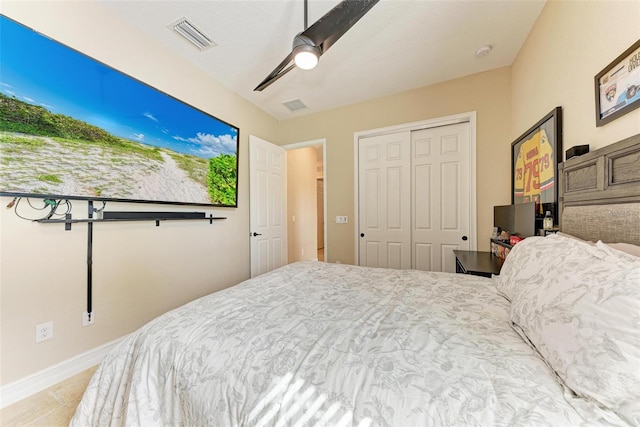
(599, 193)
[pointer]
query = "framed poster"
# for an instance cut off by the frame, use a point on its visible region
(74, 128)
(618, 86)
(534, 164)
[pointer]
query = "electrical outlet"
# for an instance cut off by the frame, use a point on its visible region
(44, 331)
(88, 318)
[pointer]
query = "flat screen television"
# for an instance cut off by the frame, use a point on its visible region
(503, 217)
(518, 219)
(525, 219)
(74, 128)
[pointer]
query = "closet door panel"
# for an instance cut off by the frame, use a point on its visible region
(384, 201)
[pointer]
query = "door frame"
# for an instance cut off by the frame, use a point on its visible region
(468, 117)
(313, 143)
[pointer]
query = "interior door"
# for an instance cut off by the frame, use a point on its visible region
(440, 195)
(267, 206)
(384, 201)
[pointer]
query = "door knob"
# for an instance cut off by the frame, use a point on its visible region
(465, 238)
(361, 234)
(256, 234)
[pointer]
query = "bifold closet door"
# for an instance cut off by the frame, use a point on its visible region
(384, 201)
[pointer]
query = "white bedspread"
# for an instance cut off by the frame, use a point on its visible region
(341, 345)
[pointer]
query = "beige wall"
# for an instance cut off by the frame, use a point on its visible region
(301, 204)
(139, 270)
(571, 42)
(486, 93)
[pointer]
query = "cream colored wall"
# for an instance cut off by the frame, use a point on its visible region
(570, 43)
(139, 270)
(486, 93)
(301, 203)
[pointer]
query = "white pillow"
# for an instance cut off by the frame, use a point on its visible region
(582, 313)
(627, 248)
(522, 263)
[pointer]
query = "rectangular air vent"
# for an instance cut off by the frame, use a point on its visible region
(294, 105)
(190, 32)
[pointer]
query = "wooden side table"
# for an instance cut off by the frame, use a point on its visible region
(477, 263)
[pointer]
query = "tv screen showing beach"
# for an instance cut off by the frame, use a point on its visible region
(72, 127)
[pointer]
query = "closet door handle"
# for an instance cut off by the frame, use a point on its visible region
(465, 238)
(256, 234)
(361, 234)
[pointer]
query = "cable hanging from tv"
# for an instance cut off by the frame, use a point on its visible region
(51, 207)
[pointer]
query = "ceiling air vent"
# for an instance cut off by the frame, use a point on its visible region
(190, 32)
(294, 105)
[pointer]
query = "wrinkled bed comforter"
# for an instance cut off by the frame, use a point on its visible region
(324, 344)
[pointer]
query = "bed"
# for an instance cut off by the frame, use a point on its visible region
(553, 341)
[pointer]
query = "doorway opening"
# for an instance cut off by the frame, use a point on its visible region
(306, 201)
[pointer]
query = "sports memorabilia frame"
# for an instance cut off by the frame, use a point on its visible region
(618, 86)
(534, 164)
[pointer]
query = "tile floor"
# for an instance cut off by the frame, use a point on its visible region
(52, 407)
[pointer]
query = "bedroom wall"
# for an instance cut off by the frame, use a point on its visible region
(139, 270)
(486, 93)
(301, 204)
(570, 43)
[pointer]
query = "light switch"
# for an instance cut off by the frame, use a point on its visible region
(340, 219)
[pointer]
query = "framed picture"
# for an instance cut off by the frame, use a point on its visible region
(618, 86)
(534, 164)
(74, 128)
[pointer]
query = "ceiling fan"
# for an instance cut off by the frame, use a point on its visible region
(311, 43)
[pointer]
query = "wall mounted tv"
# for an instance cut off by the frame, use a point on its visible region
(74, 128)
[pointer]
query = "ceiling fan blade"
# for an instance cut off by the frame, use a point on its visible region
(278, 72)
(328, 29)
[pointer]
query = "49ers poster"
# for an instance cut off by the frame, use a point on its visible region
(534, 161)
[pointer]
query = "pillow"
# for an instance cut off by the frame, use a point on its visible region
(627, 248)
(582, 313)
(521, 265)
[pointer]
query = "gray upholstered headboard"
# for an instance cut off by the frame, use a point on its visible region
(599, 193)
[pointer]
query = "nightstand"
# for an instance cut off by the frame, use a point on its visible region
(477, 263)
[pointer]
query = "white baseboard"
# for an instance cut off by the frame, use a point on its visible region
(25, 387)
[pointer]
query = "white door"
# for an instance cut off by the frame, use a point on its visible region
(384, 201)
(267, 205)
(440, 195)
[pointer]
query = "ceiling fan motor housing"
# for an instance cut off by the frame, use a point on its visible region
(305, 53)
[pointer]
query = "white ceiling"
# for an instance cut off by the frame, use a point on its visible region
(399, 45)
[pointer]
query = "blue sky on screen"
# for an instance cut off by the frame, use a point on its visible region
(42, 72)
